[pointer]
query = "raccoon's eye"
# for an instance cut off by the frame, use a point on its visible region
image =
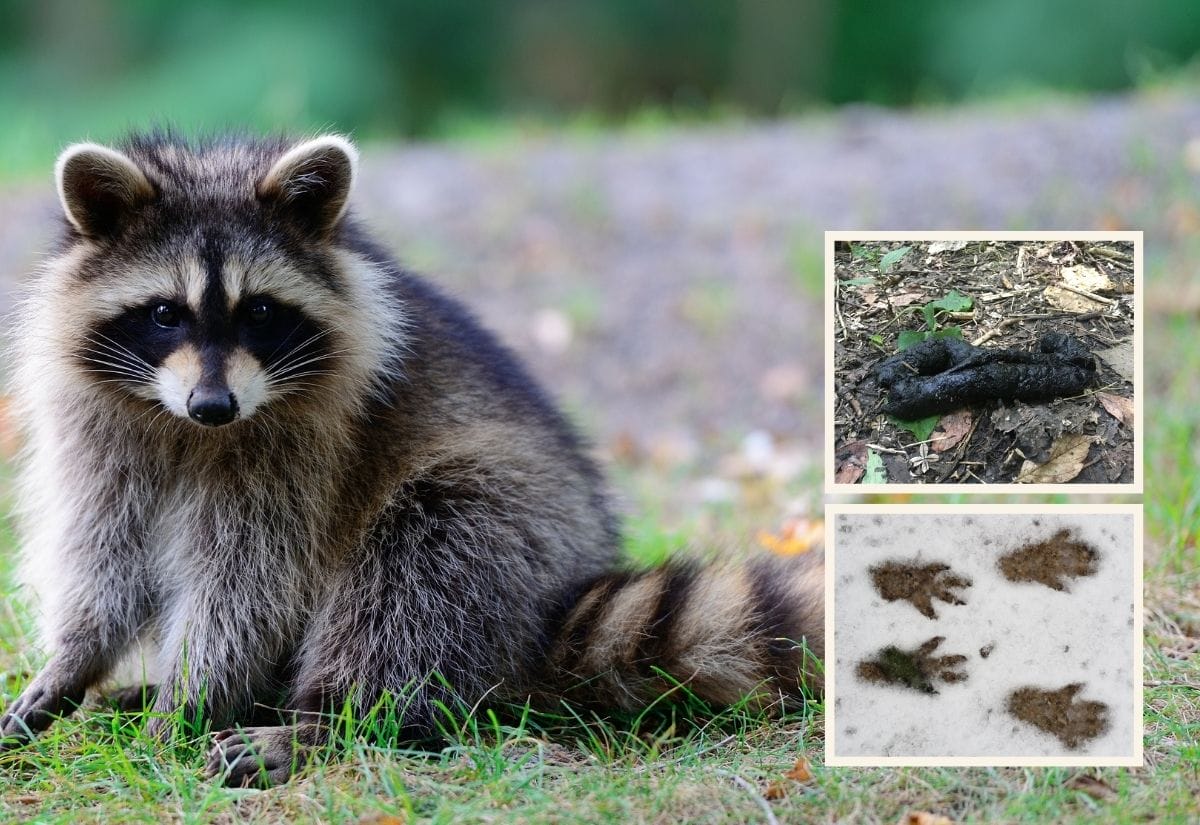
(165, 315)
(259, 312)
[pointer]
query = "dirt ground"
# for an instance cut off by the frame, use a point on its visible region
(998, 295)
(667, 285)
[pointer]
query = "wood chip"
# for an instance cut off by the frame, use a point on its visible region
(1070, 301)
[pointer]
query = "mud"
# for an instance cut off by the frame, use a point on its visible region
(1057, 712)
(915, 669)
(1051, 562)
(918, 584)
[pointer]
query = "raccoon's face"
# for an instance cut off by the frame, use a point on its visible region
(205, 281)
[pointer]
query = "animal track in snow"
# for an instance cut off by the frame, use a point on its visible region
(918, 584)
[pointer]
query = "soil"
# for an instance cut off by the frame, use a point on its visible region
(918, 584)
(997, 295)
(1057, 712)
(1050, 562)
(915, 669)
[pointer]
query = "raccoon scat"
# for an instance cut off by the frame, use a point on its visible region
(265, 461)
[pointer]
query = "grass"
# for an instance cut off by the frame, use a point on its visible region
(683, 764)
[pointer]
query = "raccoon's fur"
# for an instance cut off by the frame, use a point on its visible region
(266, 466)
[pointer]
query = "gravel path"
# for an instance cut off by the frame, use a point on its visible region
(667, 285)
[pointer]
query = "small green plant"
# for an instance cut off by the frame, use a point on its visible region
(889, 261)
(953, 301)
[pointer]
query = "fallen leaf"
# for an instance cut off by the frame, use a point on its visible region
(938, 247)
(906, 298)
(801, 772)
(851, 462)
(1067, 456)
(1093, 787)
(875, 473)
(1120, 358)
(1069, 301)
(1086, 278)
(951, 429)
(798, 535)
(925, 818)
(1118, 406)
(778, 789)
(383, 819)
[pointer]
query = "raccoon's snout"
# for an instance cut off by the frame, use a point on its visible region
(212, 406)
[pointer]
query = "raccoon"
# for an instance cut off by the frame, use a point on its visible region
(268, 467)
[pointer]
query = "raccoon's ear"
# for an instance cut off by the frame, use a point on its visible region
(99, 188)
(311, 182)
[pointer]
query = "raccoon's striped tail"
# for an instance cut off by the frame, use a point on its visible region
(725, 633)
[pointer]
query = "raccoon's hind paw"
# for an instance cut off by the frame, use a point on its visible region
(261, 757)
(131, 699)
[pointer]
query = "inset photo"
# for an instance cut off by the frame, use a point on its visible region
(998, 635)
(968, 361)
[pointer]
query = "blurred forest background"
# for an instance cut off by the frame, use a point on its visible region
(461, 67)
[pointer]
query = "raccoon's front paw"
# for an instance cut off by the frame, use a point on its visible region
(259, 757)
(35, 710)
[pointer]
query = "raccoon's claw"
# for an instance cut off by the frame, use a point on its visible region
(34, 711)
(255, 757)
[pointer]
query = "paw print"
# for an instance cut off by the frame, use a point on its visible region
(918, 584)
(917, 669)
(1059, 713)
(1050, 562)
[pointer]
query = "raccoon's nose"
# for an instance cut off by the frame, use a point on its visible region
(212, 406)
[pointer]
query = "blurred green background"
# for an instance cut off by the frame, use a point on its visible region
(455, 68)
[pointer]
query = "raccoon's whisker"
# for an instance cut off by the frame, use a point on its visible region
(118, 346)
(311, 339)
(115, 361)
(279, 371)
(115, 368)
(298, 355)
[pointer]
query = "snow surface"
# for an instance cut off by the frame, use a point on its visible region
(1041, 637)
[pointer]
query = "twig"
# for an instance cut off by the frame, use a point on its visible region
(753, 791)
(1012, 293)
(1171, 683)
(996, 330)
(879, 448)
(1091, 296)
(1112, 255)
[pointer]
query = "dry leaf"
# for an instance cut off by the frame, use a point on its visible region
(778, 789)
(1067, 456)
(1093, 787)
(951, 429)
(383, 819)
(798, 535)
(1120, 358)
(1069, 301)
(906, 298)
(801, 772)
(1086, 278)
(851, 462)
(938, 247)
(925, 818)
(1118, 407)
